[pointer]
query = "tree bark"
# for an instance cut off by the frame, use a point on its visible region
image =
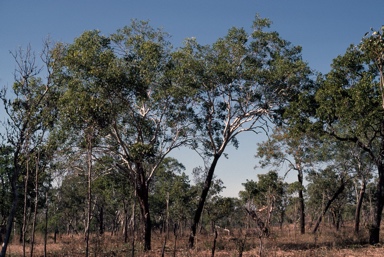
(335, 195)
(37, 159)
(12, 213)
(358, 207)
(203, 197)
(101, 220)
(301, 203)
(24, 227)
(89, 138)
(374, 231)
(142, 193)
(46, 225)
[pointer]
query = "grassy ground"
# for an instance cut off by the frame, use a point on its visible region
(284, 242)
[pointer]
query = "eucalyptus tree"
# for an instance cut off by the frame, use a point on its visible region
(85, 70)
(294, 149)
(152, 113)
(239, 84)
(348, 105)
(30, 115)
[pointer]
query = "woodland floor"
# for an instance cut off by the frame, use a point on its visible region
(284, 242)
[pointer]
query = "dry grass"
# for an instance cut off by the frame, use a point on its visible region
(284, 242)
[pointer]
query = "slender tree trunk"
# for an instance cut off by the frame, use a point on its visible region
(133, 220)
(46, 225)
(101, 220)
(335, 195)
(24, 227)
(214, 244)
(203, 197)
(89, 194)
(125, 223)
(167, 219)
(374, 231)
(36, 204)
(301, 203)
(358, 207)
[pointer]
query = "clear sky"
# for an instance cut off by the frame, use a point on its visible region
(324, 28)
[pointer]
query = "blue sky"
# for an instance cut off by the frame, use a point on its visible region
(323, 28)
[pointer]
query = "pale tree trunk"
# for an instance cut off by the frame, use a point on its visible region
(125, 229)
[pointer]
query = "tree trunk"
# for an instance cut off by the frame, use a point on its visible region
(374, 231)
(142, 193)
(11, 216)
(101, 220)
(24, 227)
(301, 204)
(46, 225)
(167, 218)
(335, 195)
(125, 229)
(36, 204)
(358, 207)
(133, 223)
(89, 193)
(15, 202)
(203, 197)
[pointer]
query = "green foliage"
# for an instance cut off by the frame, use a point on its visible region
(269, 187)
(6, 167)
(171, 185)
(86, 69)
(322, 187)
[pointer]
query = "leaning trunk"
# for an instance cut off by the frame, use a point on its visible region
(203, 197)
(335, 195)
